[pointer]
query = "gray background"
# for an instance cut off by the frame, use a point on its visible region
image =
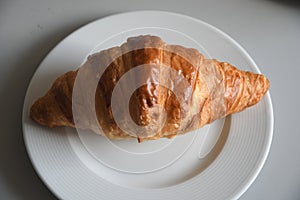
(268, 30)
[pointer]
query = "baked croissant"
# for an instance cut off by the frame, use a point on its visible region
(195, 92)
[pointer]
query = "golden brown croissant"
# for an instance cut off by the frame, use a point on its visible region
(194, 91)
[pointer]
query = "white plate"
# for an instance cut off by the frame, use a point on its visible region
(90, 167)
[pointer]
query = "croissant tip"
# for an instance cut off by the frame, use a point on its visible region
(42, 112)
(37, 114)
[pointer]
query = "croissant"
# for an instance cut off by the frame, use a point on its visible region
(176, 90)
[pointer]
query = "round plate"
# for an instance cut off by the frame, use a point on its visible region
(87, 166)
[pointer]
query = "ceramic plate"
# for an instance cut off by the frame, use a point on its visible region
(219, 161)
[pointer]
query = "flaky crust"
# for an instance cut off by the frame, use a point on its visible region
(217, 90)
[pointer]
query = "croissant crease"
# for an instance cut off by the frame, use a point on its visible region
(200, 91)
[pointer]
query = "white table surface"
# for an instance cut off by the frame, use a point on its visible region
(268, 29)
